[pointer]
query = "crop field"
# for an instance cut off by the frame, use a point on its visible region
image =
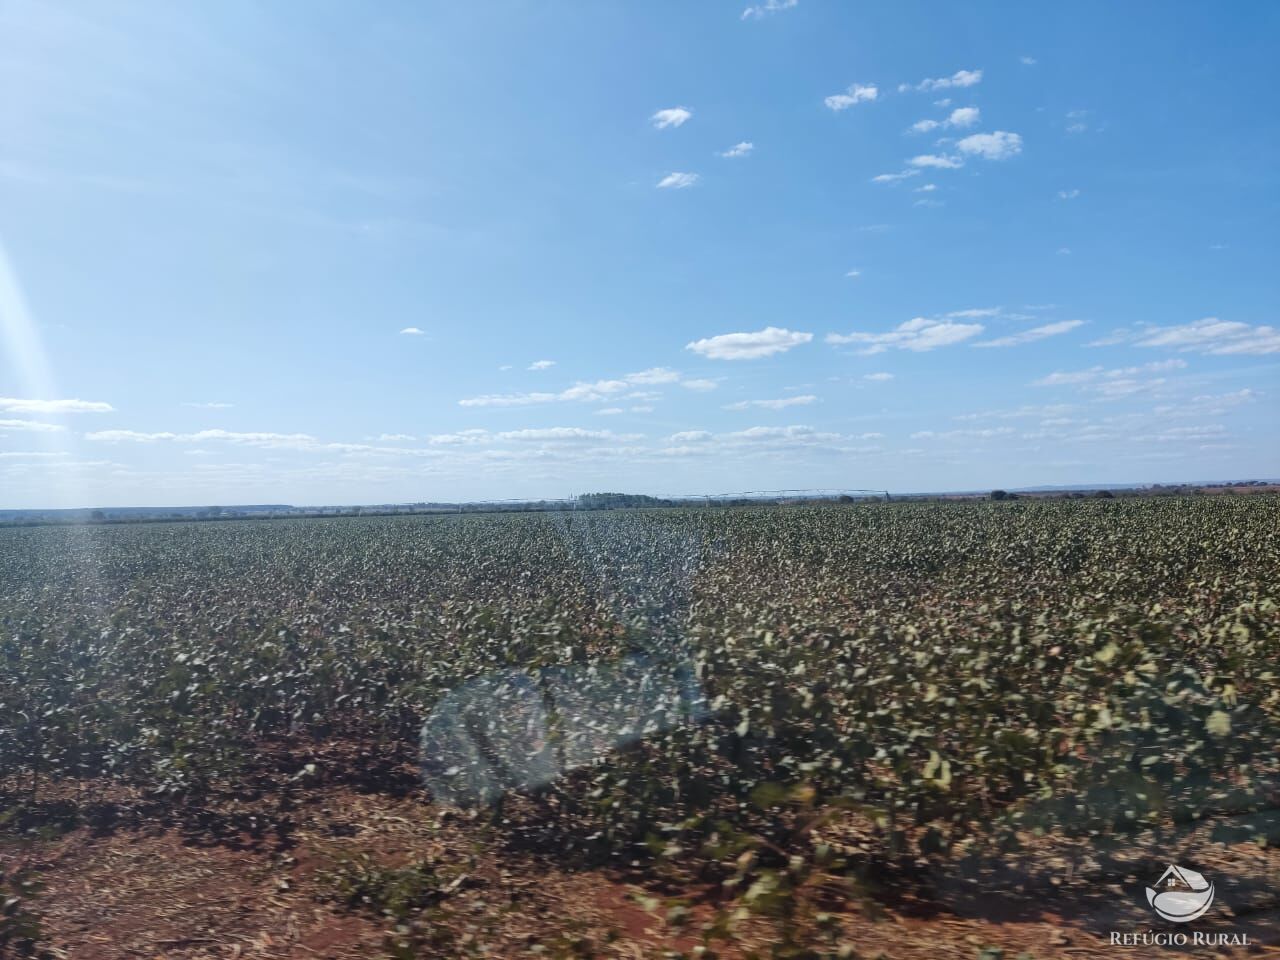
(919, 729)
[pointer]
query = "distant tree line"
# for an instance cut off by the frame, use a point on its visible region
(617, 501)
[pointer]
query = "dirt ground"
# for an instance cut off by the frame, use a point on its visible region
(151, 889)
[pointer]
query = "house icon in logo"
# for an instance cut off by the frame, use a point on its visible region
(1180, 894)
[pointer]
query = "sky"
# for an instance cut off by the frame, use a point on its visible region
(321, 253)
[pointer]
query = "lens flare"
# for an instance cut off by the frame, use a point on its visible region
(27, 374)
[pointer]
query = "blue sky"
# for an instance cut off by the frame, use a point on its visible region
(656, 247)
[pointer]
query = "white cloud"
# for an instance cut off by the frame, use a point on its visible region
(1030, 336)
(582, 391)
(590, 392)
(1214, 336)
(961, 78)
(1209, 431)
(1068, 194)
(700, 385)
(878, 377)
(1026, 410)
(210, 405)
(1000, 145)
(598, 390)
(677, 181)
(32, 454)
(1099, 374)
(797, 435)
(919, 334)
(17, 405)
(1027, 61)
(960, 118)
(894, 177)
(1123, 387)
(749, 346)
(477, 449)
(760, 10)
(973, 312)
(671, 117)
(985, 433)
(926, 188)
(481, 446)
(653, 375)
(857, 93)
(412, 332)
(461, 438)
(1059, 378)
(563, 435)
(269, 440)
(509, 399)
(739, 149)
(936, 161)
(609, 411)
(778, 404)
(542, 365)
(30, 426)
(854, 274)
(1222, 401)
(131, 436)
(976, 312)
(1121, 336)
